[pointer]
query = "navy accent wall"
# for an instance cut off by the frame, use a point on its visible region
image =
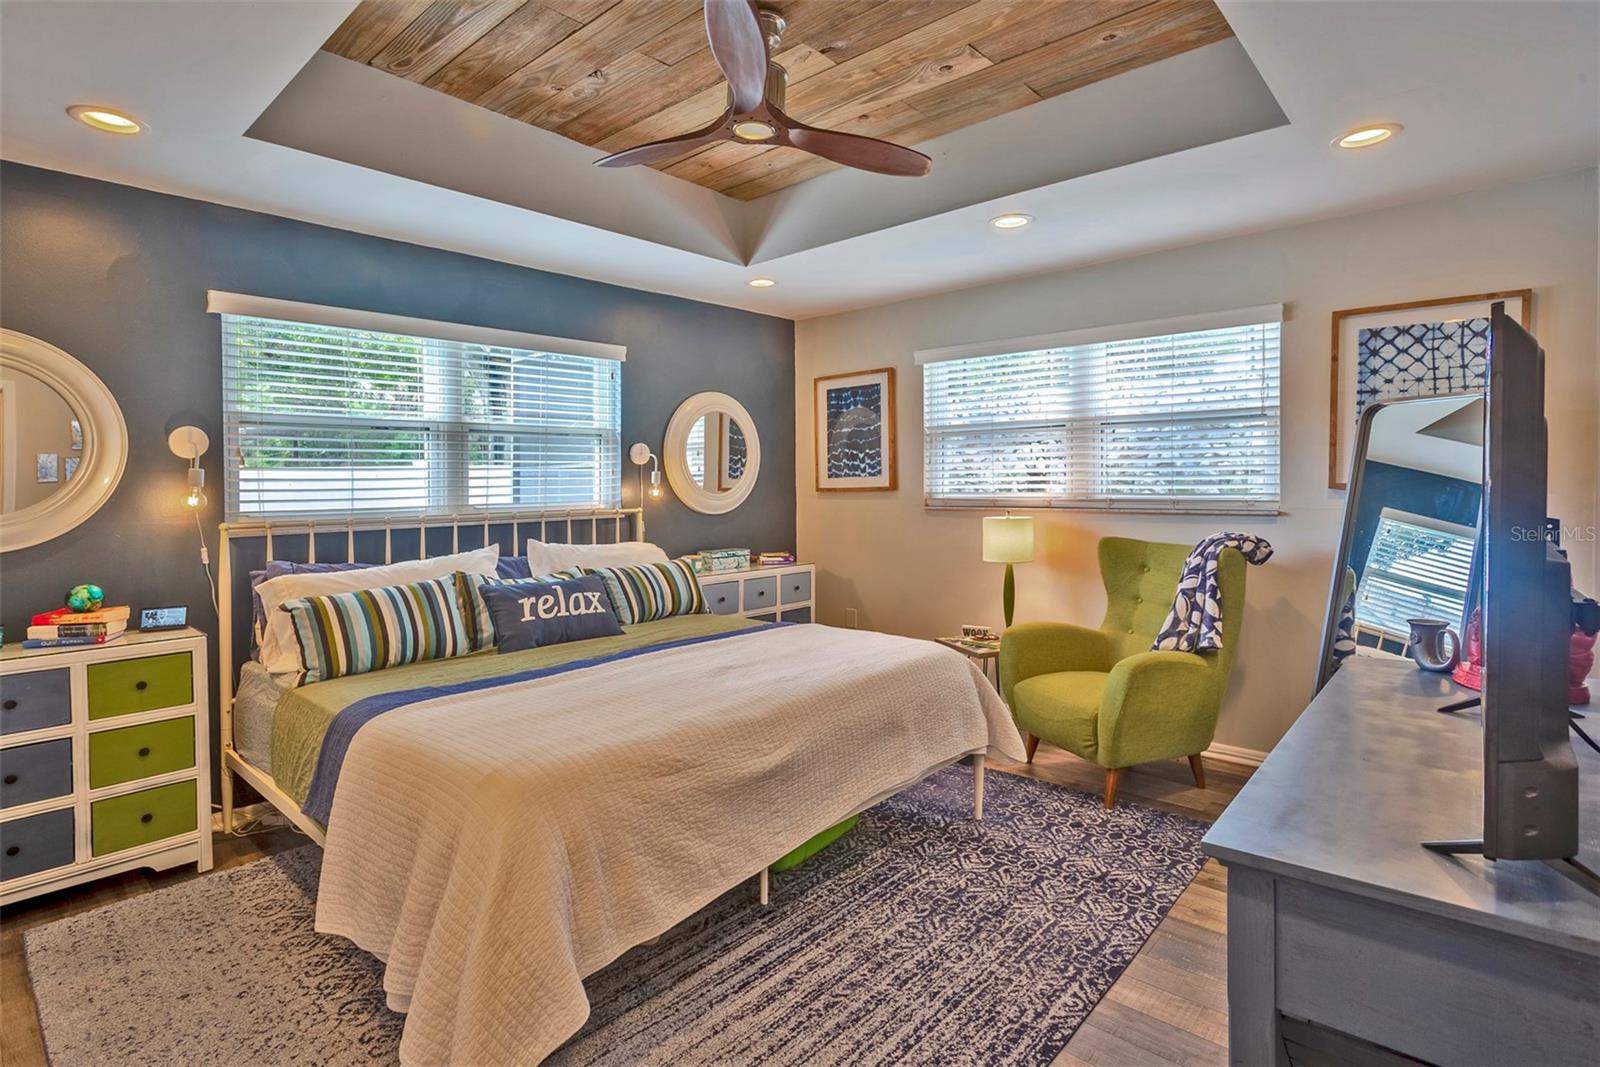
(1384, 485)
(118, 277)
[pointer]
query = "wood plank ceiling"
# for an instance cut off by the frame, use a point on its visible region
(616, 73)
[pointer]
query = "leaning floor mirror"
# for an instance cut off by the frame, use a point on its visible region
(1405, 568)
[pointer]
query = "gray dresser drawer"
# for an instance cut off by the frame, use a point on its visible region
(760, 593)
(35, 772)
(722, 598)
(36, 843)
(797, 614)
(34, 700)
(795, 588)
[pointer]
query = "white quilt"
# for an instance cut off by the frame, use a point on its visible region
(494, 848)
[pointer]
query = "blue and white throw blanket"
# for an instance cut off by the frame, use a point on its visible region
(1195, 622)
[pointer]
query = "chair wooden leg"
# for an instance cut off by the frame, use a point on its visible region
(1199, 770)
(1113, 779)
(1030, 744)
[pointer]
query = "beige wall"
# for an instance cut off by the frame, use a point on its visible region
(910, 570)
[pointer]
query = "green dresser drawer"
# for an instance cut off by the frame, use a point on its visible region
(138, 818)
(140, 751)
(127, 686)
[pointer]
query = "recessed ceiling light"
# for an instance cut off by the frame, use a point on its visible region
(1367, 136)
(105, 119)
(1014, 220)
(761, 283)
(751, 130)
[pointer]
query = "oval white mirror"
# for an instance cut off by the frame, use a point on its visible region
(712, 453)
(63, 441)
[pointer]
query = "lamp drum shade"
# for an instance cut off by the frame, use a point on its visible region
(1007, 539)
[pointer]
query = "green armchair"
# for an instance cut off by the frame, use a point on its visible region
(1102, 694)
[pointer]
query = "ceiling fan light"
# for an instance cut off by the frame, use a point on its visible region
(751, 130)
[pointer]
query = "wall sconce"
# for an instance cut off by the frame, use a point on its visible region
(641, 454)
(190, 443)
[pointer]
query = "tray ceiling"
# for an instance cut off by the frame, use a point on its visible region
(615, 73)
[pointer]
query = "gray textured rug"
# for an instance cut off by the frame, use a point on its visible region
(920, 938)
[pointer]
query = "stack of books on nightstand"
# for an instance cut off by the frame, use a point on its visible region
(65, 628)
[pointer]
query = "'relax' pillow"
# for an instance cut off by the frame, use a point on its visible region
(534, 614)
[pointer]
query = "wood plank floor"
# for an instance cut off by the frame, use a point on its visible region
(1169, 1006)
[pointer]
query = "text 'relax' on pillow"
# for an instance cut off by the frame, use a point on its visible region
(534, 614)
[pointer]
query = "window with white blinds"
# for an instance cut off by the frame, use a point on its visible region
(1176, 421)
(1417, 568)
(331, 420)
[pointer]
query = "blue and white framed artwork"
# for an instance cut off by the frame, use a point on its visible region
(855, 442)
(1420, 348)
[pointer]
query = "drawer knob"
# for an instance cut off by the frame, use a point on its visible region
(761, 592)
(13, 850)
(144, 751)
(141, 685)
(9, 705)
(146, 817)
(11, 779)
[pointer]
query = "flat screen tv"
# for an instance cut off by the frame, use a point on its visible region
(1530, 787)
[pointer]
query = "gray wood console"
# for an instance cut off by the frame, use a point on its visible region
(1338, 917)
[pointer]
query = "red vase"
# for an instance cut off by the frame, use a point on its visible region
(1580, 661)
(1469, 672)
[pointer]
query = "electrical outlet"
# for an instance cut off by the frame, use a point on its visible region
(850, 618)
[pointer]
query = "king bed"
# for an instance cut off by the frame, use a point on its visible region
(498, 826)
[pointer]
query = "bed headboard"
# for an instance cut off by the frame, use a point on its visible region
(246, 546)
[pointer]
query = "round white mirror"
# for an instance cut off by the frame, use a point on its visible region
(63, 442)
(712, 453)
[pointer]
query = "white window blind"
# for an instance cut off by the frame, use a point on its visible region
(1181, 421)
(1417, 568)
(334, 420)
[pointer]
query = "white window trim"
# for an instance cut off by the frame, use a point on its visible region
(1126, 331)
(262, 307)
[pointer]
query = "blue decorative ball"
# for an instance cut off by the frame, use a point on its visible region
(85, 597)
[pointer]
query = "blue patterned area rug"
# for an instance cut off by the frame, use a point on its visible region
(920, 938)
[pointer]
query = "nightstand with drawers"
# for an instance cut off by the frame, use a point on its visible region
(770, 594)
(104, 761)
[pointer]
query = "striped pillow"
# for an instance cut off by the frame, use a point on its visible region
(480, 623)
(652, 591)
(370, 629)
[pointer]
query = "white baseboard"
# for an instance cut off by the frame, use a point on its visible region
(1234, 754)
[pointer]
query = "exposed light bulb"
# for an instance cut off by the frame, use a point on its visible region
(655, 492)
(195, 499)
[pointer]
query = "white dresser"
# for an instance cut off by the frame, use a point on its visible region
(104, 760)
(770, 594)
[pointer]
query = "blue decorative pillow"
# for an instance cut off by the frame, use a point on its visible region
(534, 614)
(480, 625)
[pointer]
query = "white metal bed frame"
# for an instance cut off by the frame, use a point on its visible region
(234, 764)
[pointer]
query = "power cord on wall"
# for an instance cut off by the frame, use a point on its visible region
(205, 561)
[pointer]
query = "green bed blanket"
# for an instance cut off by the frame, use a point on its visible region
(303, 714)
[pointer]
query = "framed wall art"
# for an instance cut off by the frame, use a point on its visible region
(1418, 348)
(855, 443)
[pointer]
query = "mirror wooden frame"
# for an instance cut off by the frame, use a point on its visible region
(691, 492)
(105, 442)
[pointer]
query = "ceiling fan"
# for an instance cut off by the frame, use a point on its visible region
(743, 38)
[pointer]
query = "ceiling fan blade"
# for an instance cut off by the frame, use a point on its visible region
(671, 148)
(863, 153)
(739, 45)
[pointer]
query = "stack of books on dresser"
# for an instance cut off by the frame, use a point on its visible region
(775, 559)
(65, 628)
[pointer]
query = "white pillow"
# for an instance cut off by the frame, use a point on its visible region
(280, 653)
(546, 558)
